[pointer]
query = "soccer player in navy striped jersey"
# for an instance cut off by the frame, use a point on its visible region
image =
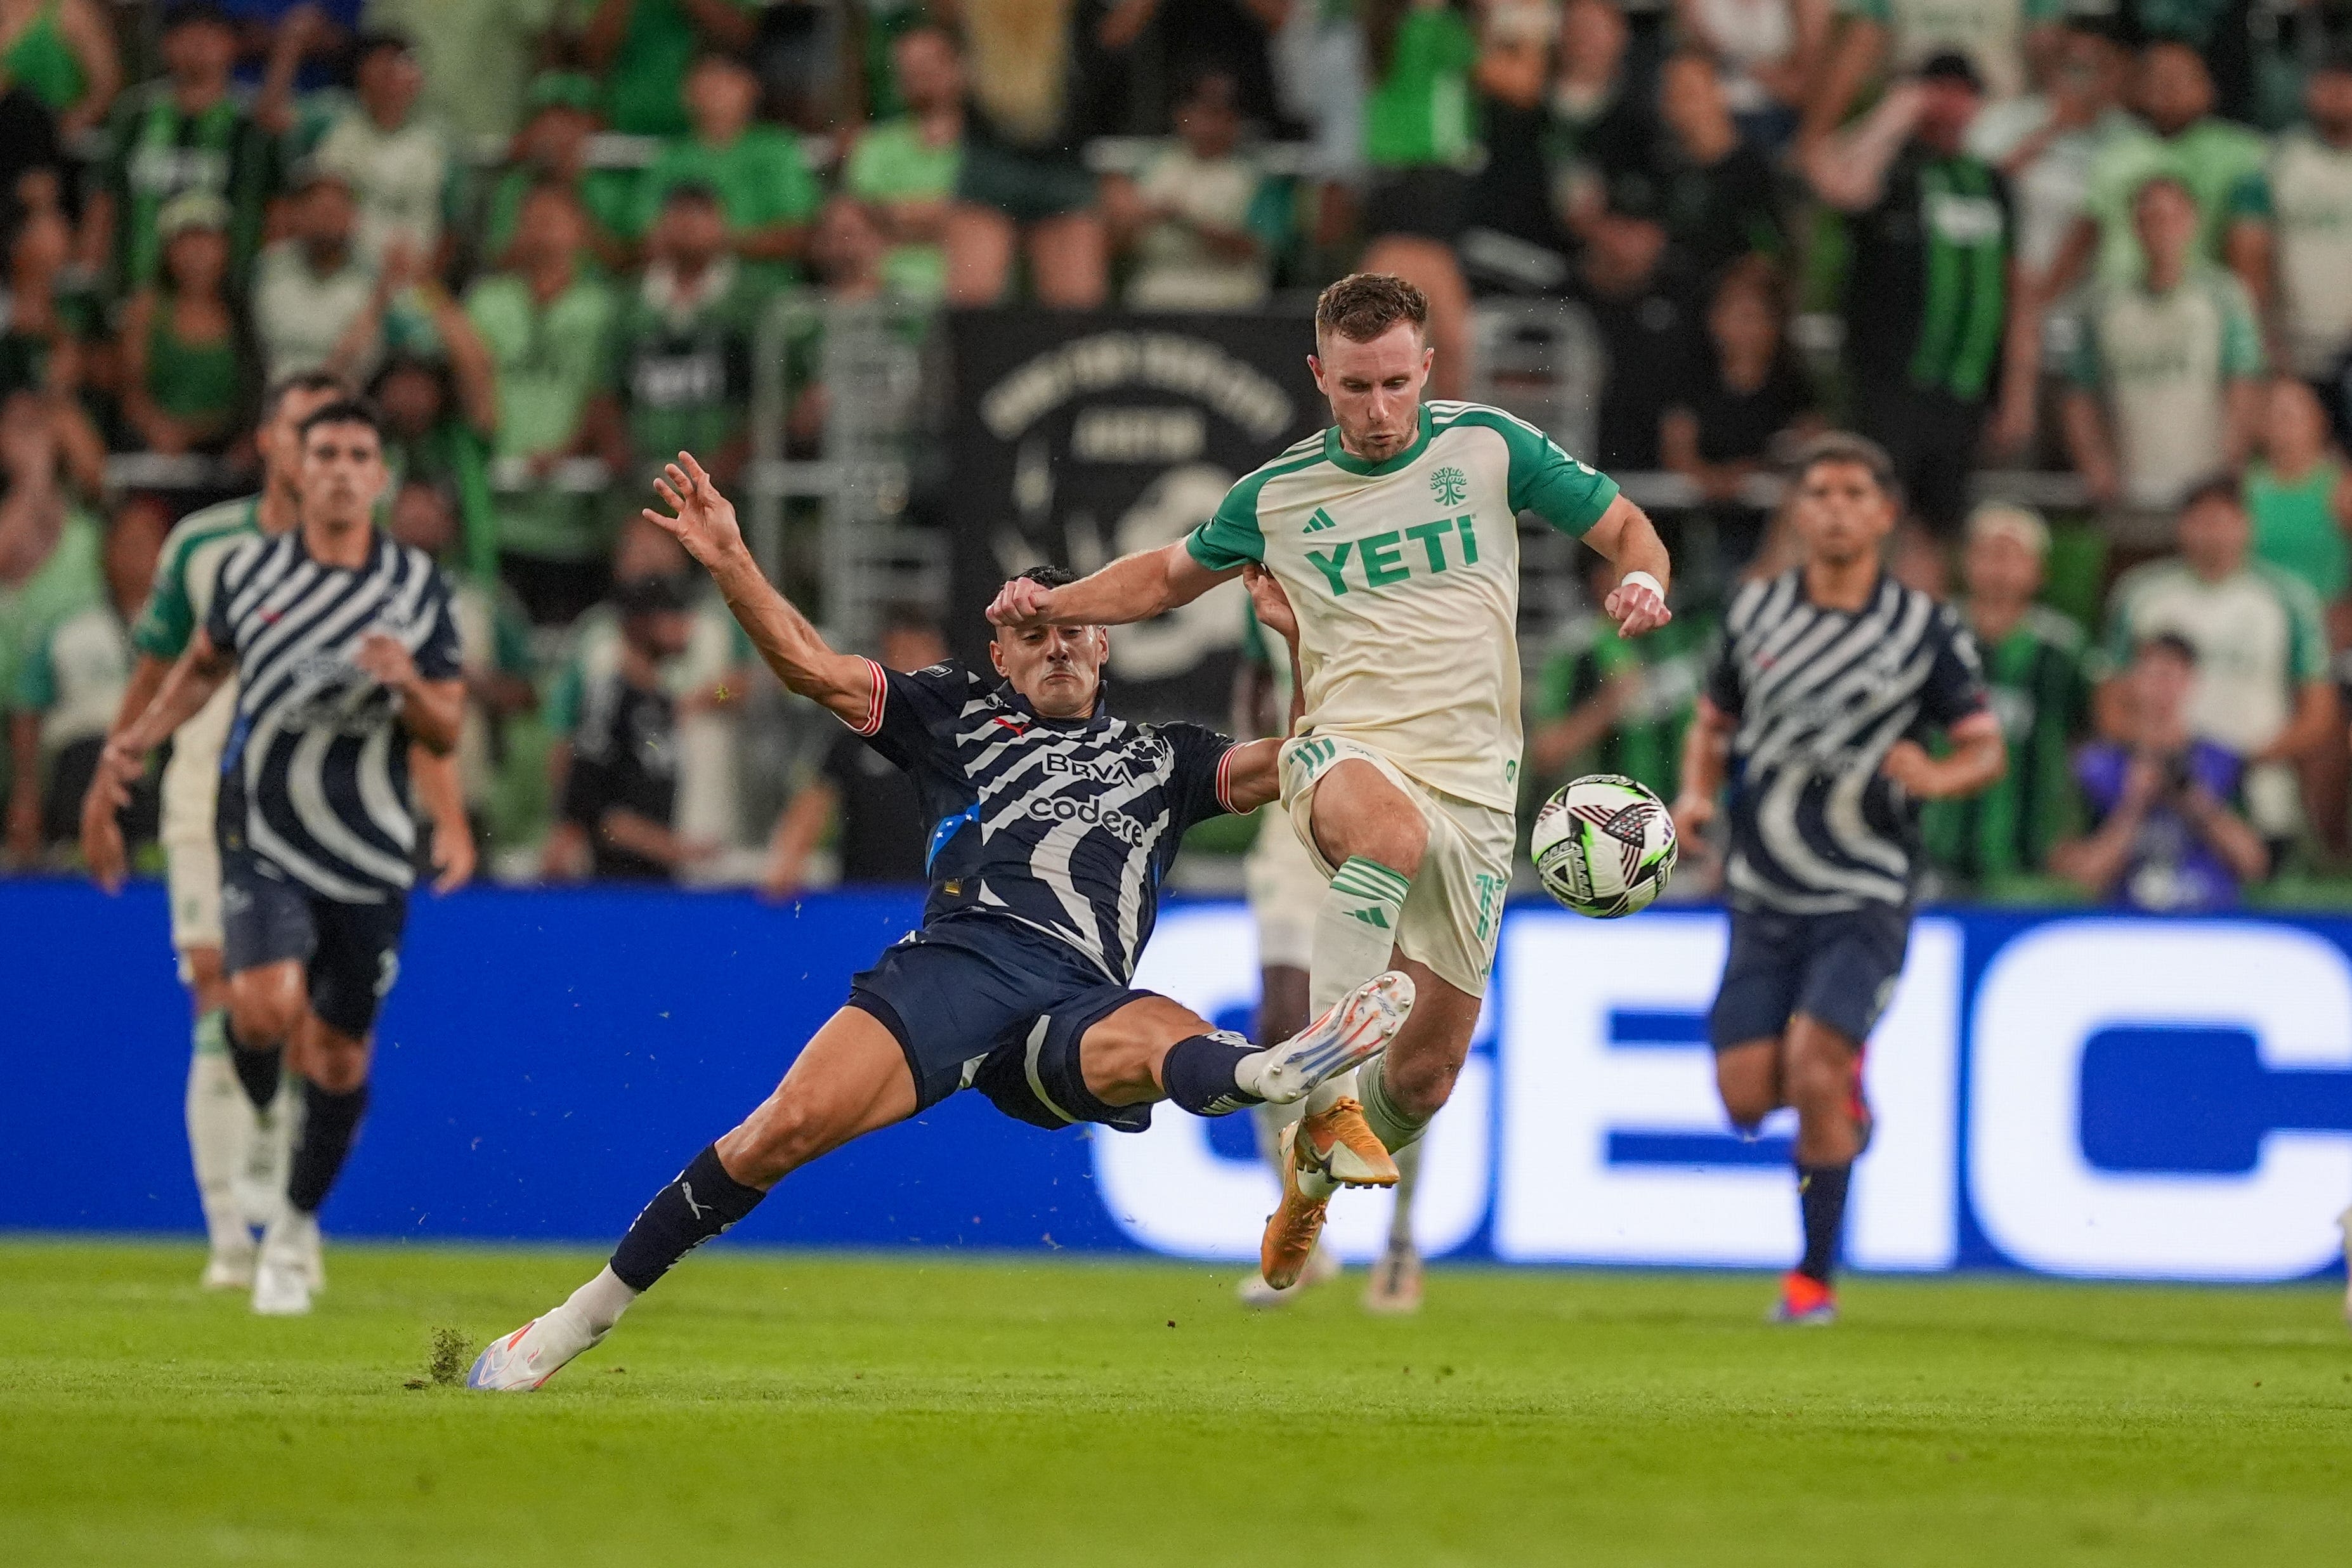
(1826, 682)
(345, 650)
(1052, 826)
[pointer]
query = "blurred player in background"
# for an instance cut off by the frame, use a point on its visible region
(1394, 537)
(238, 1143)
(1827, 682)
(1052, 826)
(1285, 892)
(345, 649)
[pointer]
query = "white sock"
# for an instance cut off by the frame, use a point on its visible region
(220, 1119)
(1408, 1161)
(598, 1304)
(1355, 936)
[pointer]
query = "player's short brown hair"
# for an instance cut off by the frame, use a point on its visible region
(1363, 305)
(1843, 446)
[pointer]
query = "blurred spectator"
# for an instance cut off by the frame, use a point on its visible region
(317, 305)
(2167, 836)
(400, 164)
(680, 373)
(2309, 186)
(1421, 140)
(552, 148)
(1646, 310)
(1932, 333)
(1995, 37)
(184, 132)
(2043, 142)
(2165, 373)
(1040, 80)
(621, 794)
(1714, 191)
(493, 634)
(189, 383)
(62, 51)
(1515, 236)
(1198, 37)
(1201, 218)
(49, 546)
(2178, 135)
(70, 682)
(548, 330)
(43, 329)
(872, 802)
(1746, 397)
(905, 168)
(645, 48)
(1317, 56)
(1765, 49)
(1615, 705)
(477, 56)
(847, 253)
(2299, 493)
(2262, 687)
(34, 170)
(2034, 675)
(440, 416)
(758, 171)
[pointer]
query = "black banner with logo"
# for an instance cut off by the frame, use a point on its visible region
(1078, 438)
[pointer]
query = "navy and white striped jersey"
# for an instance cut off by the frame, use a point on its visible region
(1819, 695)
(315, 775)
(1066, 825)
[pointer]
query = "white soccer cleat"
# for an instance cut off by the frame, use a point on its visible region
(229, 1266)
(282, 1279)
(1322, 1264)
(1351, 1032)
(1394, 1289)
(527, 1358)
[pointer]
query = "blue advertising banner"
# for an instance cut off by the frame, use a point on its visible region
(2072, 1094)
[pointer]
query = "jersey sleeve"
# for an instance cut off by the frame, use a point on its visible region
(914, 716)
(1231, 537)
(1956, 684)
(1204, 773)
(1545, 481)
(168, 619)
(440, 655)
(234, 568)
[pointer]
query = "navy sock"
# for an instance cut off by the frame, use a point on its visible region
(1198, 1073)
(330, 1125)
(703, 1201)
(1821, 1196)
(257, 1070)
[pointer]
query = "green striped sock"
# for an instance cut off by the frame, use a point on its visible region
(1355, 933)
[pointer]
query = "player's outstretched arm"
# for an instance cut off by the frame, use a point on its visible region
(704, 521)
(102, 837)
(188, 687)
(1133, 588)
(1627, 537)
(1707, 751)
(1978, 756)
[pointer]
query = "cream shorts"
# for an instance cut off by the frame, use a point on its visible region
(192, 872)
(1285, 891)
(1453, 918)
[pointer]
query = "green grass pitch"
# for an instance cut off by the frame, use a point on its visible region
(949, 1410)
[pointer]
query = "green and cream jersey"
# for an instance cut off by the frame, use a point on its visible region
(1404, 575)
(185, 575)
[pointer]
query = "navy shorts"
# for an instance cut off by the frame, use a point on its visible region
(351, 952)
(995, 1006)
(1841, 968)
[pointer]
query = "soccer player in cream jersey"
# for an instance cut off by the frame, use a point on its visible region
(1394, 536)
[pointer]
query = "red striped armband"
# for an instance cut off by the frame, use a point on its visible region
(872, 724)
(1226, 779)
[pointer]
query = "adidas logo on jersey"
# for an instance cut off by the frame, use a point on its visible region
(1319, 521)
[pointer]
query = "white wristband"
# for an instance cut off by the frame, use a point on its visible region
(1644, 580)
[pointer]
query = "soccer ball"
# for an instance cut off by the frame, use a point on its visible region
(1603, 846)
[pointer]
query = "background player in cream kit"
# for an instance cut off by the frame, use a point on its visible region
(1394, 538)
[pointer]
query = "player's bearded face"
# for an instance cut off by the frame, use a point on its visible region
(1057, 669)
(1841, 513)
(1374, 388)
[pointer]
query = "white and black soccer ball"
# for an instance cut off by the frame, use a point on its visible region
(1603, 846)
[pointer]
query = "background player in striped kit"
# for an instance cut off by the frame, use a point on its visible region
(345, 649)
(1826, 681)
(237, 1139)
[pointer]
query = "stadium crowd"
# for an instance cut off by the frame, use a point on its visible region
(2108, 251)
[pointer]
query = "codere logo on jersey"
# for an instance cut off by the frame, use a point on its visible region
(1381, 559)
